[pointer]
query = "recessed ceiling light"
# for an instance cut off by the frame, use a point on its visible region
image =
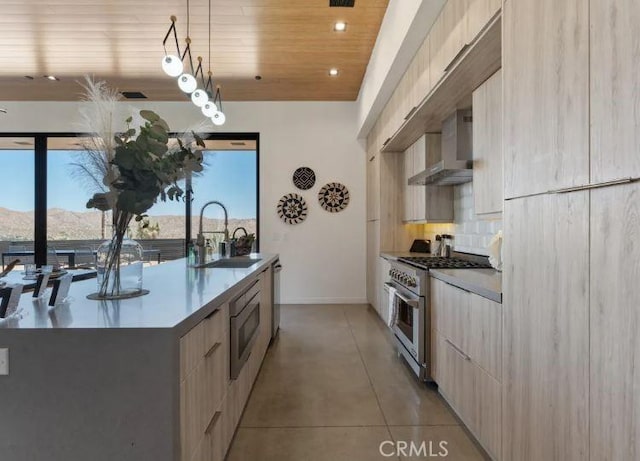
(333, 72)
(340, 26)
(51, 77)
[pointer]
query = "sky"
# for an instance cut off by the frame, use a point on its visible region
(229, 176)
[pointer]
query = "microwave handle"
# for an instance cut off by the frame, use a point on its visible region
(414, 303)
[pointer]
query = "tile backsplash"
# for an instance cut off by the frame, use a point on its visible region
(471, 235)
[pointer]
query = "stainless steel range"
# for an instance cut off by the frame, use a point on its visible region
(408, 288)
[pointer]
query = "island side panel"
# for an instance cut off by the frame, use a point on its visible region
(103, 395)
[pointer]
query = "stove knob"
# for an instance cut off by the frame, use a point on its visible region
(412, 282)
(405, 279)
(391, 272)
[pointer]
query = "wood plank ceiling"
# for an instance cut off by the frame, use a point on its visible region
(290, 43)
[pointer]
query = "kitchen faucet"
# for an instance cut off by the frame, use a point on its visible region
(200, 241)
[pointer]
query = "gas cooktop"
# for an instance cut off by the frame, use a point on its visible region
(436, 262)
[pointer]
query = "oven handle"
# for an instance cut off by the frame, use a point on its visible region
(414, 303)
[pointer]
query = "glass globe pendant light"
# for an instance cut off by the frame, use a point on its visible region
(200, 98)
(172, 65)
(209, 109)
(187, 83)
(218, 118)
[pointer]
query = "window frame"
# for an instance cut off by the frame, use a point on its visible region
(40, 151)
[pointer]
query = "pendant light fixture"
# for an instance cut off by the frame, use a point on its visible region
(173, 65)
(199, 98)
(212, 109)
(209, 109)
(218, 118)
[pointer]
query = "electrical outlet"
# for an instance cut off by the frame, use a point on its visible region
(4, 362)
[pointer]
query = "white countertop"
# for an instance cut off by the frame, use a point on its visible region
(178, 295)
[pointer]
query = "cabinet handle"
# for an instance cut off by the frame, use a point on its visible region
(386, 142)
(212, 350)
(464, 356)
(410, 112)
(212, 314)
(456, 57)
(458, 288)
(594, 186)
(212, 423)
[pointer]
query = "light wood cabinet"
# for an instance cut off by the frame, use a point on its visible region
(467, 347)
(472, 393)
(472, 323)
(373, 187)
(373, 254)
(210, 402)
(487, 147)
(424, 203)
(485, 411)
(546, 95)
(204, 355)
(615, 89)
(615, 322)
(448, 38)
(383, 298)
(422, 79)
(546, 327)
(479, 13)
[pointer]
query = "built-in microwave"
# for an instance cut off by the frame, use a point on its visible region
(244, 327)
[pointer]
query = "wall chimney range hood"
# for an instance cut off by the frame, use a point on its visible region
(456, 164)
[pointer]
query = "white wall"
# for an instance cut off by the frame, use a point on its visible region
(324, 257)
(404, 27)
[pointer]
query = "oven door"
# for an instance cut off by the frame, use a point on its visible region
(244, 329)
(409, 322)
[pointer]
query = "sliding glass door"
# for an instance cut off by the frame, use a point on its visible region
(17, 200)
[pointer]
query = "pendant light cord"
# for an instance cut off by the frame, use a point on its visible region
(209, 35)
(188, 14)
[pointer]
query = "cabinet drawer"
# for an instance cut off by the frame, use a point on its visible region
(211, 446)
(202, 390)
(215, 327)
(192, 349)
(193, 411)
(457, 369)
(452, 311)
(201, 395)
(472, 323)
(473, 393)
(485, 341)
(485, 411)
(195, 344)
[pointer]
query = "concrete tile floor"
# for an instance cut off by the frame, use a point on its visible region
(331, 388)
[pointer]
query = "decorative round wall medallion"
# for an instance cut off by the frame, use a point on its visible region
(334, 197)
(292, 209)
(304, 178)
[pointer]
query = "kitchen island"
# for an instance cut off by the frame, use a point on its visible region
(148, 378)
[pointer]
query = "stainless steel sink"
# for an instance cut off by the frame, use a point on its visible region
(230, 263)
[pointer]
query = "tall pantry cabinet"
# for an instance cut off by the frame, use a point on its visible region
(571, 356)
